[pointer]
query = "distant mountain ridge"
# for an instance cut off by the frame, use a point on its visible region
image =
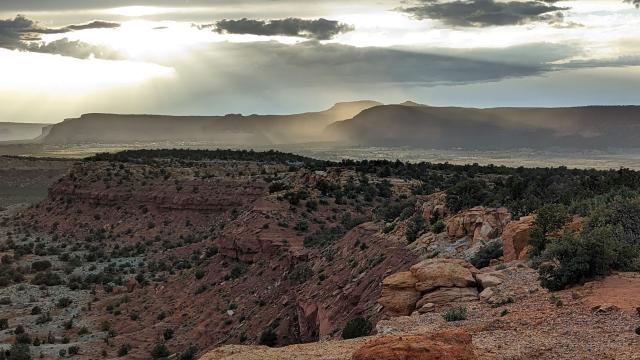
(371, 123)
(13, 131)
(230, 128)
(427, 126)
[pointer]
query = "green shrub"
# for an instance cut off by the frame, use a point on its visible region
(486, 253)
(124, 349)
(455, 314)
(159, 351)
(577, 258)
(19, 352)
(277, 186)
(466, 194)
(199, 273)
(550, 218)
(73, 350)
(189, 353)
(167, 334)
(324, 237)
(414, 228)
(43, 318)
(40, 265)
(64, 302)
(268, 337)
(555, 300)
(47, 278)
(301, 273)
(357, 327)
(23, 338)
(438, 226)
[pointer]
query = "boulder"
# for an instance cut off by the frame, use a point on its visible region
(486, 294)
(427, 308)
(433, 204)
(444, 296)
(604, 308)
(401, 280)
(436, 273)
(479, 223)
(515, 238)
(487, 280)
(398, 302)
(454, 344)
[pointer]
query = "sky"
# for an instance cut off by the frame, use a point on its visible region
(63, 58)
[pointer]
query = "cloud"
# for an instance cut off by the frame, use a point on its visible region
(15, 32)
(76, 49)
(98, 24)
(24, 34)
(319, 29)
(481, 13)
(634, 2)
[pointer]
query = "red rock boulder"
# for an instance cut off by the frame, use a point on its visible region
(454, 344)
(515, 238)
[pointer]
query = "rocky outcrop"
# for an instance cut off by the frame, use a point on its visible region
(443, 296)
(454, 344)
(399, 295)
(515, 238)
(436, 273)
(487, 280)
(435, 281)
(478, 223)
(433, 205)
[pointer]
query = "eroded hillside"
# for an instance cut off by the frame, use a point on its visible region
(161, 252)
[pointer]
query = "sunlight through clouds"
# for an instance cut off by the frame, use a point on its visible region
(23, 72)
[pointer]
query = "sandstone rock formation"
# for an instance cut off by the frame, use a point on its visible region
(399, 295)
(449, 344)
(433, 204)
(443, 296)
(487, 280)
(515, 238)
(436, 273)
(433, 281)
(479, 223)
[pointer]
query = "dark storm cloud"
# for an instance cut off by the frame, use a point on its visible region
(25, 34)
(480, 13)
(15, 32)
(320, 29)
(313, 63)
(634, 2)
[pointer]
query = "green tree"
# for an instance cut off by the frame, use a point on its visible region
(357, 327)
(414, 228)
(550, 218)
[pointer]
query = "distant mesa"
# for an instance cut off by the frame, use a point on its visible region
(230, 128)
(371, 123)
(11, 131)
(411, 124)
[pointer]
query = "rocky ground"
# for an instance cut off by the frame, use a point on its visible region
(212, 258)
(595, 321)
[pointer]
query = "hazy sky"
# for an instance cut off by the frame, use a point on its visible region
(61, 58)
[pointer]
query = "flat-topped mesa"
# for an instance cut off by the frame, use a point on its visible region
(230, 129)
